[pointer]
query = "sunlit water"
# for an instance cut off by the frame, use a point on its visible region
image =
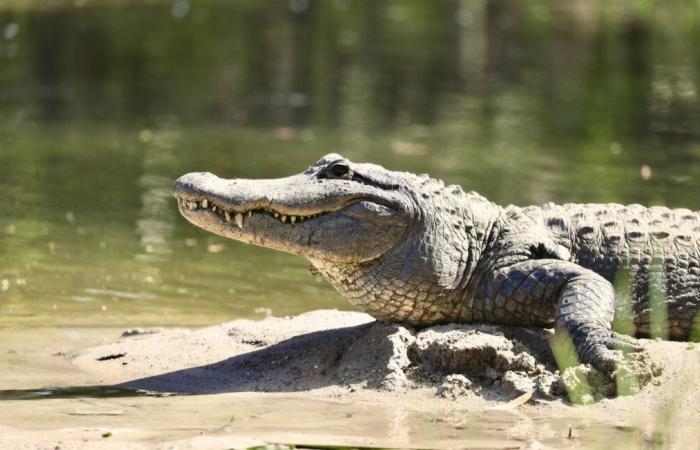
(524, 104)
(91, 236)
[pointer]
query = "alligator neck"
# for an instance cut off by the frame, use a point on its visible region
(425, 278)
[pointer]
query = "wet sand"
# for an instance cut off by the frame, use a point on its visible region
(321, 378)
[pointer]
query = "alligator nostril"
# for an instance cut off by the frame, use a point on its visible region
(177, 187)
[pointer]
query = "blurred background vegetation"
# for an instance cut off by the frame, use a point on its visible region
(103, 103)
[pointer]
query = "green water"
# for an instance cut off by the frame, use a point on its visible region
(103, 104)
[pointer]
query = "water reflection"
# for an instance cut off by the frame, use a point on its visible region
(297, 62)
(526, 102)
(155, 225)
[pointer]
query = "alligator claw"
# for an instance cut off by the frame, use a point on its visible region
(626, 344)
(605, 359)
(609, 353)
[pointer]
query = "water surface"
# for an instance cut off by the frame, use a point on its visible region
(103, 104)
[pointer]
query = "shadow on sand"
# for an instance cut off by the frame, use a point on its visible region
(375, 354)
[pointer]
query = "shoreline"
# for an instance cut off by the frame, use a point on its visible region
(316, 407)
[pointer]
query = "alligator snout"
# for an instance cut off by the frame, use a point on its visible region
(192, 184)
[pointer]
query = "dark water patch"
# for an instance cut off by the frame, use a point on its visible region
(74, 392)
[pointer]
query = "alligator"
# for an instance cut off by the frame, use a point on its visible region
(408, 248)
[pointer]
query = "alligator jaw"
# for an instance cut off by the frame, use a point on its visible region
(328, 220)
(239, 217)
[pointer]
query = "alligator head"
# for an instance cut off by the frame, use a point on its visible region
(373, 233)
(330, 212)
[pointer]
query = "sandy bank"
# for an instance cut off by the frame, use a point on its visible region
(348, 355)
(342, 378)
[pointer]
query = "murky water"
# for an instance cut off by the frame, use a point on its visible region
(103, 104)
(526, 104)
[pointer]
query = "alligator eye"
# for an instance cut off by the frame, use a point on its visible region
(340, 170)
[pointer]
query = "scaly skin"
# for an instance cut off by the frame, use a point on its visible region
(407, 248)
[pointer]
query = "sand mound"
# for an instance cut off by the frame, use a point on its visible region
(338, 353)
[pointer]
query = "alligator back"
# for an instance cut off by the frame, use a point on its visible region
(639, 249)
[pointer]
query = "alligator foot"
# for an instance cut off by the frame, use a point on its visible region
(634, 372)
(609, 353)
(615, 365)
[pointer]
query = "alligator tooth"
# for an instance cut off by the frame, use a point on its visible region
(191, 205)
(284, 219)
(213, 208)
(227, 216)
(277, 215)
(205, 203)
(250, 213)
(239, 220)
(293, 219)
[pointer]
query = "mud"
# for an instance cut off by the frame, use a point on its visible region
(358, 354)
(329, 377)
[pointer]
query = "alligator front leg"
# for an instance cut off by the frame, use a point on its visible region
(585, 311)
(576, 301)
